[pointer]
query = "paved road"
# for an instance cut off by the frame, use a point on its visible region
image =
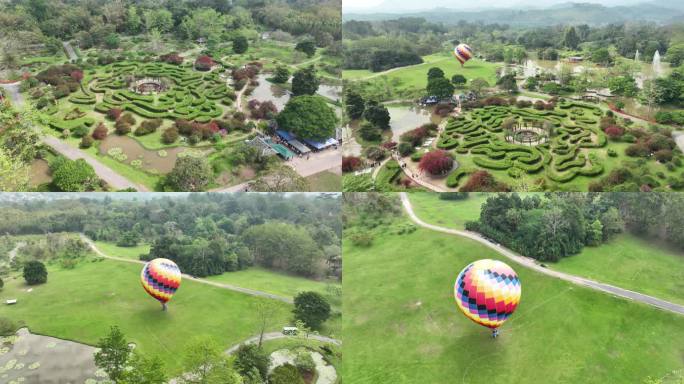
(14, 94)
(188, 277)
(70, 51)
(327, 160)
(107, 174)
(531, 264)
(278, 335)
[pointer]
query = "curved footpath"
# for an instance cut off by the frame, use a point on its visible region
(277, 335)
(231, 287)
(531, 264)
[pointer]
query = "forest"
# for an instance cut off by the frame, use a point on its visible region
(205, 234)
(558, 225)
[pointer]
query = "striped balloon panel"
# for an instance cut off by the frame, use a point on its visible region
(161, 278)
(487, 292)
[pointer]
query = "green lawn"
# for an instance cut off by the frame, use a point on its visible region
(81, 304)
(447, 213)
(325, 181)
(111, 249)
(633, 263)
(269, 281)
(401, 324)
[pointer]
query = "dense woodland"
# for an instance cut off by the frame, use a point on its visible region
(205, 234)
(411, 36)
(556, 225)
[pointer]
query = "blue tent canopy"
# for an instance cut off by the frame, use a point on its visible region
(318, 145)
(287, 136)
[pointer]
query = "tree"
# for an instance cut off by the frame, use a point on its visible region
(281, 178)
(623, 85)
(434, 73)
(305, 82)
(458, 80)
(308, 117)
(377, 114)
(570, 40)
(265, 311)
(74, 176)
(249, 357)
(205, 363)
(355, 105)
(281, 75)
(440, 87)
(285, 374)
(14, 173)
(133, 21)
(159, 19)
(311, 308)
(436, 162)
(203, 22)
(595, 233)
(675, 54)
(308, 47)
(113, 354)
(508, 83)
(478, 85)
(112, 41)
(170, 135)
(143, 370)
(370, 132)
(35, 272)
(190, 174)
(240, 44)
(2, 283)
(601, 56)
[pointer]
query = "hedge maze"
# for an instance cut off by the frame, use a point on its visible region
(193, 96)
(573, 130)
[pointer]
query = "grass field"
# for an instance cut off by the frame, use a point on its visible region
(269, 281)
(81, 304)
(627, 261)
(325, 181)
(401, 324)
(111, 249)
(633, 263)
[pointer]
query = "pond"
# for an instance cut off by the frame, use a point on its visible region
(407, 117)
(39, 173)
(34, 359)
(128, 149)
(267, 91)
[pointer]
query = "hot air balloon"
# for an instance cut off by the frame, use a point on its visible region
(161, 278)
(463, 53)
(487, 292)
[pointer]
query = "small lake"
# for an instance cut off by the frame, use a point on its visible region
(34, 359)
(407, 117)
(267, 91)
(135, 151)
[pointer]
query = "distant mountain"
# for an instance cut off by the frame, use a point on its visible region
(658, 11)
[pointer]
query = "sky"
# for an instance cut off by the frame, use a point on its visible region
(412, 5)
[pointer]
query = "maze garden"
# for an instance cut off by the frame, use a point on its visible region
(559, 144)
(192, 95)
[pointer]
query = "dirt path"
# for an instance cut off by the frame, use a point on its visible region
(188, 277)
(107, 174)
(532, 264)
(278, 335)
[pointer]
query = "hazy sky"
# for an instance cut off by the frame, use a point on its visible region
(408, 5)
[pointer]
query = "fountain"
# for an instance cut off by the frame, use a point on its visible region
(657, 69)
(636, 56)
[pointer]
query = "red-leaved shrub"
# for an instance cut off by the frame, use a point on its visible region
(436, 162)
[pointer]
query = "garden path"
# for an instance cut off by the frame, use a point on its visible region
(532, 264)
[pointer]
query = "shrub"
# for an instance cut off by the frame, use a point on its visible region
(638, 150)
(375, 153)
(405, 149)
(351, 163)
(612, 153)
(204, 63)
(7, 326)
(614, 132)
(483, 181)
(362, 239)
(628, 138)
(249, 357)
(148, 126)
(35, 273)
(100, 132)
(128, 118)
(122, 127)
(86, 142)
(285, 374)
(663, 155)
(369, 132)
(80, 131)
(304, 362)
(436, 162)
(415, 136)
(172, 58)
(114, 114)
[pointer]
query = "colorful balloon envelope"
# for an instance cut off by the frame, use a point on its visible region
(161, 278)
(487, 292)
(463, 53)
